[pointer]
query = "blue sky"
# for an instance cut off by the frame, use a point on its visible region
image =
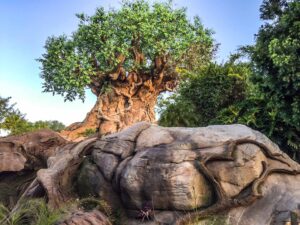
(26, 24)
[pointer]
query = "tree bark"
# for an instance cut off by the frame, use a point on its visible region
(118, 108)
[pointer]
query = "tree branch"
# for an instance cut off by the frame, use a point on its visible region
(119, 70)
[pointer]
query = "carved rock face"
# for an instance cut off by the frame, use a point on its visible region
(236, 175)
(151, 177)
(215, 168)
(178, 175)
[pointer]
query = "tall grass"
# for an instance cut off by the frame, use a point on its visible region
(31, 212)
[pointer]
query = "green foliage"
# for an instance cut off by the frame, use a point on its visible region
(13, 121)
(112, 39)
(11, 118)
(88, 132)
(36, 212)
(177, 111)
(203, 96)
(48, 124)
(17, 124)
(276, 75)
(31, 212)
(6, 108)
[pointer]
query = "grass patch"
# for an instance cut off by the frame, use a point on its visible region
(31, 212)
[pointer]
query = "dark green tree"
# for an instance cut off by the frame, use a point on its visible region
(6, 108)
(276, 62)
(8, 112)
(204, 95)
(127, 57)
(273, 104)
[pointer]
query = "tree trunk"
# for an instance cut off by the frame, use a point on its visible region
(115, 110)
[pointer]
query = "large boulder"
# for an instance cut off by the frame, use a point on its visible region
(228, 171)
(20, 158)
(179, 176)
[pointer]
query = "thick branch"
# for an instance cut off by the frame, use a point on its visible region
(119, 70)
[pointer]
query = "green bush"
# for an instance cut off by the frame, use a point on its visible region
(201, 97)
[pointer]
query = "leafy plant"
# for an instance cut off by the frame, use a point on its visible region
(138, 38)
(88, 132)
(17, 124)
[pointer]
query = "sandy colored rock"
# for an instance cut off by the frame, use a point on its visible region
(28, 151)
(20, 158)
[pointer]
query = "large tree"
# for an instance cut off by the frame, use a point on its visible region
(127, 57)
(276, 62)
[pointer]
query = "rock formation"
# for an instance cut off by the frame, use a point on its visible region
(159, 175)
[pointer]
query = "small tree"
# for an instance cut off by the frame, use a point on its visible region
(5, 108)
(127, 57)
(8, 112)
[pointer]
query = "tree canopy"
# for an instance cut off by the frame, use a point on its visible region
(139, 41)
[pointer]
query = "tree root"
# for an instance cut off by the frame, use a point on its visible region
(224, 202)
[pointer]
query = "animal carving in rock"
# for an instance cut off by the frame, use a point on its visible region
(178, 176)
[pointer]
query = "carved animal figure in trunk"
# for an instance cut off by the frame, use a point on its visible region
(127, 57)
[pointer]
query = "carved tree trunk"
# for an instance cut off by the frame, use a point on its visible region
(121, 106)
